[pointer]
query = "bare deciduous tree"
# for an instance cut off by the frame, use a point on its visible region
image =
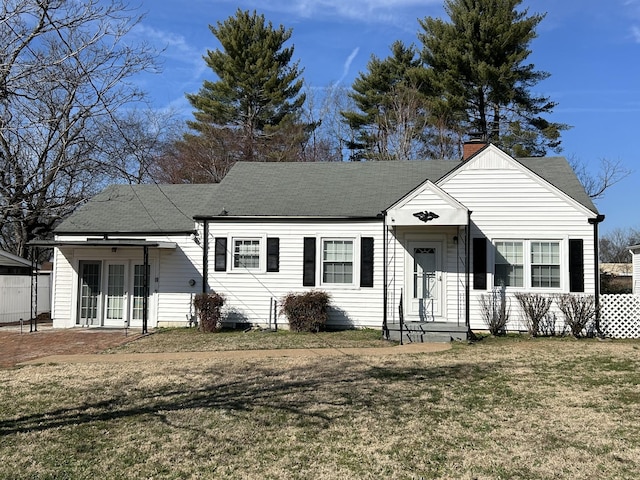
(614, 245)
(610, 172)
(65, 75)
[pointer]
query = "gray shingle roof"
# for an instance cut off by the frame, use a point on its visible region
(558, 172)
(327, 189)
(323, 189)
(138, 209)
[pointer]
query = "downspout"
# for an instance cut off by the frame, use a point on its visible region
(385, 329)
(205, 257)
(596, 268)
(467, 274)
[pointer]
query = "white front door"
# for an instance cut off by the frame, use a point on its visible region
(424, 281)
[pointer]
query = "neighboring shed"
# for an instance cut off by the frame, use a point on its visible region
(635, 253)
(16, 288)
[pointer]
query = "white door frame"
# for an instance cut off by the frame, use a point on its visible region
(429, 303)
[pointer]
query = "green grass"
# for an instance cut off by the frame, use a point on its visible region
(499, 408)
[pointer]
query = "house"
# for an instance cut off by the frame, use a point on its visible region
(635, 253)
(410, 245)
(22, 287)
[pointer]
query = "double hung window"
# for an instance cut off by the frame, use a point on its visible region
(337, 261)
(527, 263)
(246, 253)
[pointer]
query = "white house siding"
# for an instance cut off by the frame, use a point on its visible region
(508, 202)
(62, 291)
(249, 293)
(174, 292)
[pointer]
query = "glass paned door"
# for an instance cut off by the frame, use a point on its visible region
(424, 281)
(137, 299)
(115, 297)
(89, 301)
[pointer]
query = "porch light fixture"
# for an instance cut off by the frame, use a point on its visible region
(114, 249)
(426, 216)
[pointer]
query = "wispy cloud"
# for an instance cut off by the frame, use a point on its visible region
(635, 33)
(361, 10)
(172, 45)
(347, 64)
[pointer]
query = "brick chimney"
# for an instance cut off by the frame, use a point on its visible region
(471, 146)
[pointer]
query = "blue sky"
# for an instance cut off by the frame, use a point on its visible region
(591, 48)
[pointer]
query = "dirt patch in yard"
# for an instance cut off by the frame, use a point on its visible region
(17, 346)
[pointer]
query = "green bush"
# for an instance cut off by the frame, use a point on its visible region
(306, 312)
(208, 307)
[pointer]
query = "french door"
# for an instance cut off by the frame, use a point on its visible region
(110, 293)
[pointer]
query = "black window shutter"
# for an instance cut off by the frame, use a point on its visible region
(273, 254)
(309, 262)
(220, 254)
(479, 263)
(366, 262)
(576, 265)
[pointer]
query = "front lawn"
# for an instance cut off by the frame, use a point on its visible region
(527, 409)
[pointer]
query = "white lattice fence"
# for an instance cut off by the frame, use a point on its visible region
(620, 315)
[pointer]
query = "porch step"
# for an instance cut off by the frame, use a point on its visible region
(428, 332)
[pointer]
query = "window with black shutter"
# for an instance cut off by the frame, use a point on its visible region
(576, 265)
(366, 262)
(273, 254)
(309, 262)
(220, 254)
(479, 263)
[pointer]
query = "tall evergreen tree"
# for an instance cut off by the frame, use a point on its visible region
(478, 59)
(256, 102)
(390, 114)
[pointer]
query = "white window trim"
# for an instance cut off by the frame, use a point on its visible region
(355, 279)
(526, 247)
(262, 252)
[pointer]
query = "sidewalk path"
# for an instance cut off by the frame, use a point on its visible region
(241, 354)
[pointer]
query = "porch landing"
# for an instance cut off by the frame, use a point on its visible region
(428, 332)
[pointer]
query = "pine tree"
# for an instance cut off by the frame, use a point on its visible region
(478, 59)
(256, 102)
(389, 105)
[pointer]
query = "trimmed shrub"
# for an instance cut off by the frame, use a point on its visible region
(306, 312)
(534, 308)
(495, 311)
(208, 307)
(579, 312)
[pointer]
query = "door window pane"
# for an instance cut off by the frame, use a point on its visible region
(424, 272)
(115, 292)
(89, 291)
(138, 292)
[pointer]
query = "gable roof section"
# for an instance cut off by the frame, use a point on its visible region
(447, 210)
(321, 189)
(555, 171)
(139, 208)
